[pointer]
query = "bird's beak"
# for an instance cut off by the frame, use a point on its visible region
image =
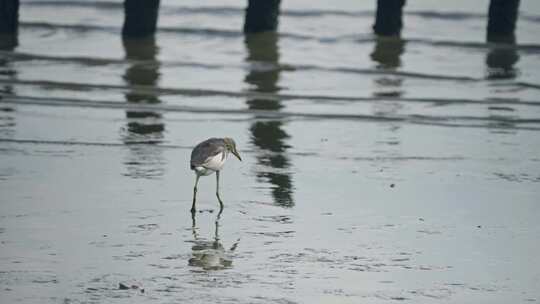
(236, 154)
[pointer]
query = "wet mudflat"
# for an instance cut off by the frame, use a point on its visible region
(374, 171)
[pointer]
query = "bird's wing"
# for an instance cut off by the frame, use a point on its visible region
(205, 151)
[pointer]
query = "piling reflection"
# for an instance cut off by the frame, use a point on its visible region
(387, 56)
(8, 43)
(268, 134)
(210, 254)
(144, 128)
(500, 61)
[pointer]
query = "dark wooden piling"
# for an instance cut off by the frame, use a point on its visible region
(9, 16)
(140, 17)
(388, 19)
(261, 16)
(502, 20)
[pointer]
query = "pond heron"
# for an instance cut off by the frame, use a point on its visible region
(208, 157)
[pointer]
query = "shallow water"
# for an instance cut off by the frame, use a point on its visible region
(374, 170)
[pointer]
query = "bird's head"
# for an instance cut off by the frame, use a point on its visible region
(231, 146)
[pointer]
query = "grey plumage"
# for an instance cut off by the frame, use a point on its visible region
(205, 150)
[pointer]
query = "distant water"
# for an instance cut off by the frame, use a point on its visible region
(374, 169)
(321, 54)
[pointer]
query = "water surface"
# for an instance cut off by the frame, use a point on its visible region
(375, 170)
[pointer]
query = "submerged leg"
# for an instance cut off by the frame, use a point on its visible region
(195, 193)
(194, 226)
(217, 193)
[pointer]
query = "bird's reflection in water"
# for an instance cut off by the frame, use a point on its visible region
(268, 134)
(210, 254)
(144, 128)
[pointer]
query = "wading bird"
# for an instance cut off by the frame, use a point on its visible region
(208, 157)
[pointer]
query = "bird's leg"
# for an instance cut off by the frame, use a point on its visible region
(217, 193)
(194, 226)
(216, 232)
(195, 194)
